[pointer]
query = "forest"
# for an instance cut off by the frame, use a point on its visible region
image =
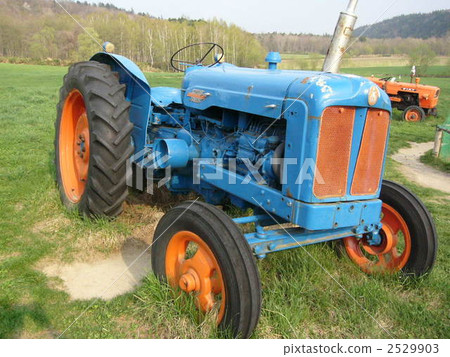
(40, 31)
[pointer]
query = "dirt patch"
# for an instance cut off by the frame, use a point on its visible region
(106, 278)
(94, 274)
(51, 225)
(414, 170)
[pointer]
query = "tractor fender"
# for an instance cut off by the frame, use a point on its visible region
(138, 93)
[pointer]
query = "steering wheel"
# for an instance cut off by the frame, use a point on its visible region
(201, 52)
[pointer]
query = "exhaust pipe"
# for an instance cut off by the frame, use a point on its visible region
(341, 38)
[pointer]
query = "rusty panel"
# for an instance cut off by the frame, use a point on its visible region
(333, 153)
(371, 154)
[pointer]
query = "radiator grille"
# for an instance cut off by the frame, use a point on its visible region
(333, 152)
(370, 158)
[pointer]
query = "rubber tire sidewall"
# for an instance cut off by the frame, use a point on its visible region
(232, 252)
(414, 107)
(420, 224)
(71, 83)
(74, 80)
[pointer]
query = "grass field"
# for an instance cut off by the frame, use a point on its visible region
(300, 300)
(315, 61)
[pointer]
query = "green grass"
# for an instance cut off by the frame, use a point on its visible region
(436, 162)
(299, 298)
(306, 61)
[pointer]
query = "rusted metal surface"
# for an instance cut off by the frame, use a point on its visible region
(341, 38)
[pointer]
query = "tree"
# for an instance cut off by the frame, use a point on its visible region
(421, 57)
(43, 43)
(88, 43)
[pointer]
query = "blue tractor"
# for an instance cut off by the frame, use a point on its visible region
(304, 150)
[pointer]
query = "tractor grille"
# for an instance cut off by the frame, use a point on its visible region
(333, 152)
(370, 158)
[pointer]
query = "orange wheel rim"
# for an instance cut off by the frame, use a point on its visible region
(413, 115)
(74, 146)
(391, 254)
(192, 266)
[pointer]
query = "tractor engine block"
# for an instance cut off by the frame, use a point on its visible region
(247, 144)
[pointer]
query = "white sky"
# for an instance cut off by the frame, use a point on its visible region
(307, 16)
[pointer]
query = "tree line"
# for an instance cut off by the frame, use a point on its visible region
(40, 29)
(307, 43)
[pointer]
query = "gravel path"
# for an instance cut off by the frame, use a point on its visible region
(422, 174)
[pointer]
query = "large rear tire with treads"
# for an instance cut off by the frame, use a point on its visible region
(93, 140)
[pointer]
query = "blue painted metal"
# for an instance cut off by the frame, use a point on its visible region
(138, 93)
(220, 132)
(310, 216)
(164, 96)
(273, 58)
(175, 153)
(289, 238)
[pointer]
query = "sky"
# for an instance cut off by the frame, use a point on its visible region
(296, 16)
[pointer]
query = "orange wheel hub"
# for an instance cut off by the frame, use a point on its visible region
(413, 115)
(391, 254)
(192, 266)
(74, 146)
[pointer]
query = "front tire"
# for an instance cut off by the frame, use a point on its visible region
(409, 238)
(93, 140)
(199, 249)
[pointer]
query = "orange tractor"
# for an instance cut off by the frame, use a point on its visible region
(414, 99)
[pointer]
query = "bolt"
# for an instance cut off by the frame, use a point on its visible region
(187, 282)
(289, 204)
(272, 246)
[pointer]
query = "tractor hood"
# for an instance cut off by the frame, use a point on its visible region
(264, 91)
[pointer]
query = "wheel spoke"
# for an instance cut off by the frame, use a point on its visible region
(395, 235)
(205, 301)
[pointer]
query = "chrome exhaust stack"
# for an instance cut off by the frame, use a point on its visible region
(341, 38)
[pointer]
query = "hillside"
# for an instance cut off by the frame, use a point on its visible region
(40, 30)
(424, 26)
(395, 36)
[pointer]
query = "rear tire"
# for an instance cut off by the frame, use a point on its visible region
(93, 140)
(413, 113)
(223, 244)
